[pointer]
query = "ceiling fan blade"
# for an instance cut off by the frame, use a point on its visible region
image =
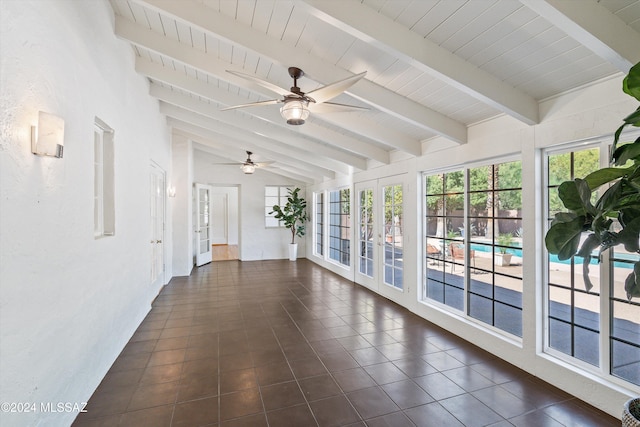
(333, 107)
(265, 84)
(332, 90)
(263, 164)
(252, 104)
(228, 164)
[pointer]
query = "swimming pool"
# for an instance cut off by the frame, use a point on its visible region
(554, 258)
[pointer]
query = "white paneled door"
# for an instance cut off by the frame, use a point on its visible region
(157, 205)
(204, 251)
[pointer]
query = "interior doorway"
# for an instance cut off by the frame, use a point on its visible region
(225, 219)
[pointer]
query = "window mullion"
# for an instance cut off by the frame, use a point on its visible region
(466, 240)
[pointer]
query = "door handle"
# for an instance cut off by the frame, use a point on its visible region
(158, 241)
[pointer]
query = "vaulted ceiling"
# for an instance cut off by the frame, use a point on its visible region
(432, 69)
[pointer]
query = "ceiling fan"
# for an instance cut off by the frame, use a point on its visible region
(248, 166)
(298, 103)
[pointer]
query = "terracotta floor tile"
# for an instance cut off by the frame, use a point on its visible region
(432, 414)
(281, 395)
(353, 379)
(470, 411)
(150, 395)
(397, 419)
(196, 413)
(151, 417)
(319, 387)
(304, 368)
(372, 402)
(274, 373)
(334, 411)
(239, 404)
(384, 373)
(407, 394)
(295, 416)
(275, 343)
(238, 380)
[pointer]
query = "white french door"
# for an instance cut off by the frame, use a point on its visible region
(156, 213)
(204, 251)
(380, 234)
(366, 250)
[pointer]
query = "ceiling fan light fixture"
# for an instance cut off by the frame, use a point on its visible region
(248, 168)
(295, 111)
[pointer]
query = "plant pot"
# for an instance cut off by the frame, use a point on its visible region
(293, 251)
(631, 413)
(503, 260)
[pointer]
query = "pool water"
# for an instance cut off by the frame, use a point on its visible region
(554, 258)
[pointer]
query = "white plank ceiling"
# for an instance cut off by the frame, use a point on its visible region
(434, 67)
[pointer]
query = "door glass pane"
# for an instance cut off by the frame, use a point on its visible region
(365, 232)
(393, 229)
(204, 216)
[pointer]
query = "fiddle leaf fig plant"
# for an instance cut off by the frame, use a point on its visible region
(614, 218)
(293, 214)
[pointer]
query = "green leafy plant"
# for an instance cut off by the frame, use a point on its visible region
(293, 214)
(614, 218)
(504, 239)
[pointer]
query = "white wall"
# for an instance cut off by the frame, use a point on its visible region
(69, 302)
(587, 113)
(181, 204)
(256, 242)
(232, 212)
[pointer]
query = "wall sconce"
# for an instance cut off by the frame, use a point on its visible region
(171, 191)
(47, 139)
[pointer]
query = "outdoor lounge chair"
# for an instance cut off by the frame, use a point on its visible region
(456, 250)
(434, 253)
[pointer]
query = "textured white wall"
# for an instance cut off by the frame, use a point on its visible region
(256, 242)
(181, 205)
(69, 302)
(233, 214)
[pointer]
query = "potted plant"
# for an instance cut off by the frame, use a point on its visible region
(614, 219)
(503, 258)
(293, 215)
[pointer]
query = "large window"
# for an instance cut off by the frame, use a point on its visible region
(274, 195)
(339, 226)
(597, 327)
(104, 222)
(319, 223)
(444, 222)
(495, 254)
(473, 243)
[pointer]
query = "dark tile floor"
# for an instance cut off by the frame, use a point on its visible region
(280, 343)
